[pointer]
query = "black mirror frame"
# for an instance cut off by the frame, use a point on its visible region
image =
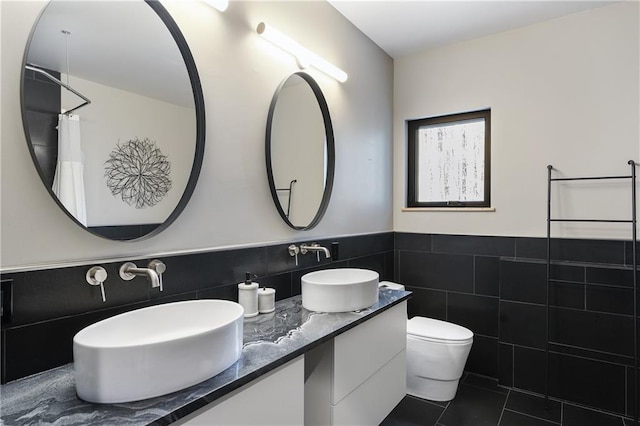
(331, 155)
(198, 98)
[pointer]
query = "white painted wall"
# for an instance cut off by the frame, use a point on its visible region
(171, 127)
(564, 92)
(231, 205)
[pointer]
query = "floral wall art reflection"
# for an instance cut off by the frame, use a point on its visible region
(138, 172)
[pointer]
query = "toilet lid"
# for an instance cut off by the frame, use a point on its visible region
(433, 329)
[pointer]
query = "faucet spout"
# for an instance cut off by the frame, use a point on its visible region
(129, 271)
(153, 276)
(304, 248)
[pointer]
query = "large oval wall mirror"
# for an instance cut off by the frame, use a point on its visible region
(300, 151)
(113, 112)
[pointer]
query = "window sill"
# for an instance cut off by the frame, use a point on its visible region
(448, 209)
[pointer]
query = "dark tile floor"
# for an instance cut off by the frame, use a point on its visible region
(481, 402)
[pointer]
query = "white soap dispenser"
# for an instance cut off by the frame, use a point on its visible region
(248, 296)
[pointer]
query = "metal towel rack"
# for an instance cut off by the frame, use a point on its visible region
(290, 190)
(633, 222)
(60, 83)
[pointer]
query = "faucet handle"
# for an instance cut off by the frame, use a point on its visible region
(158, 266)
(293, 251)
(97, 275)
(124, 271)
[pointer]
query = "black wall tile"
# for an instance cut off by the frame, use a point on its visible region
(427, 303)
(531, 248)
(567, 295)
(610, 276)
(205, 270)
(477, 313)
(362, 245)
(631, 392)
(487, 275)
(591, 354)
(374, 262)
(523, 324)
(565, 272)
(578, 416)
(396, 266)
(225, 292)
(610, 299)
(604, 332)
(529, 369)
(483, 358)
(523, 281)
(437, 271)
(55, 293)
(505, 365)
(479, 245)
(628, 253)
(579, 250)
(412, 242)
(584, 381)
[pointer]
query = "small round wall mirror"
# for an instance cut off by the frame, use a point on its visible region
(300, 151)
(113, 112)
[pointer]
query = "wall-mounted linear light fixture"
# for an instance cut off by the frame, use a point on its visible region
(305, 57)
(221, 5)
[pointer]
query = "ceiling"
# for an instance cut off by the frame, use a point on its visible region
(405, 27)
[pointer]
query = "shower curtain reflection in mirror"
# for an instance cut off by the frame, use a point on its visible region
(68, 181)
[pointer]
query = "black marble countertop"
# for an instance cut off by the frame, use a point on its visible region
(270, 340)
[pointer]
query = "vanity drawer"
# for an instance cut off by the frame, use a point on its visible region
(374, 399)
(362, 351)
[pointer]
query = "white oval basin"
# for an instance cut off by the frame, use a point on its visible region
(339, 290)
(156, 350)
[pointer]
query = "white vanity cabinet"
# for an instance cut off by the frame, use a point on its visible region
(277, 398)
(354, 379)
(358, 377)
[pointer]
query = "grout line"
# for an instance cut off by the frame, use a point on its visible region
(597, 410)
(532, 416)
(513, 365)
(473, 279)
(442, 414)
(504, 406)
(626, 391)
(485, 388)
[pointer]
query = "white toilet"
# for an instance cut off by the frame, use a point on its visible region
(436, 354)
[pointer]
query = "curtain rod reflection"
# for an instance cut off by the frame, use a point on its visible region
(290, 189)
(87, 101)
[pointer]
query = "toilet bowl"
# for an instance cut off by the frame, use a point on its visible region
(437, 352)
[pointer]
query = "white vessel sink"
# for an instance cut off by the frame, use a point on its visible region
(156, 350)
(339, 290)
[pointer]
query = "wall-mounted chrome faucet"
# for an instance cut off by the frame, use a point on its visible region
(97, 275)
(129, 270)
(305, 248)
